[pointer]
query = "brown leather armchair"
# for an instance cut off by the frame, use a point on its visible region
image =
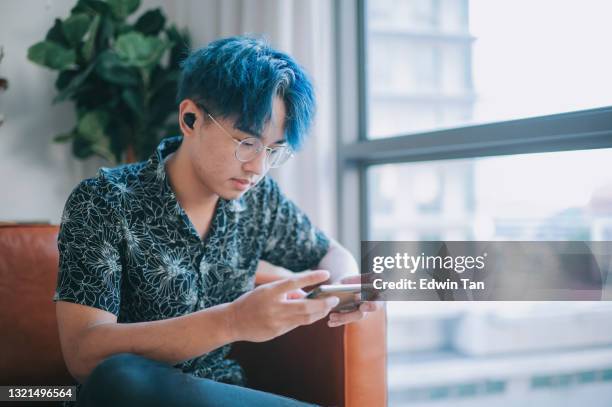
(343, 366)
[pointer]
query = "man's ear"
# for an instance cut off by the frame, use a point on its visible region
(189, 115)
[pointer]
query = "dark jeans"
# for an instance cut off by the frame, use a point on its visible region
(127, 379)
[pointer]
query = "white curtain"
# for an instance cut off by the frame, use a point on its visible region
(304, 29)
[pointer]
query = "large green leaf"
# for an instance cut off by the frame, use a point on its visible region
(75, 27)
(163, 97)
(134, 100)
(51, 55)
(64, 137)
(91, 7)
(180, 48)
(102, 148)
(81, 148)
(121, 133)
(91, 125)
(56, 34)
(64, 78)
(123, 8)
(137, 50)
(71, 83)
(112, 69)
(99, 7)
(162, 78)
(90, 41)
(90, 137)
(106, 33)
(151, 22)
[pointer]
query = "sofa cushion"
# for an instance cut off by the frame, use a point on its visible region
(28, 275)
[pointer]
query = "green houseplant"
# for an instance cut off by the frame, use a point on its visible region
(121, 76)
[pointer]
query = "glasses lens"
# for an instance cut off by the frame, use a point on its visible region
(248, 149)
(278, 156)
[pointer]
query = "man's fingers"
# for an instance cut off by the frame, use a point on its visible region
(356, 279)
(299, 281)
(296, 294)
(370, 306)
(316, 313)
(312, 306)
(336, 318)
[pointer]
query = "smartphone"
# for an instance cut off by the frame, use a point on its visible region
(349, 295)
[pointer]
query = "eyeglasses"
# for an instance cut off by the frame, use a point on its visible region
(250, 147)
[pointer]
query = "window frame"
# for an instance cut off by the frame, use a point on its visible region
(355, 153)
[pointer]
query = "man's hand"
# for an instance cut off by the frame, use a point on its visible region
(342, 318)
(273, 309)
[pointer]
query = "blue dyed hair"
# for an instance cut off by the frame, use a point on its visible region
(239, 77)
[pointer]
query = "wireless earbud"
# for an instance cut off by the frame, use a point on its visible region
(189, 119)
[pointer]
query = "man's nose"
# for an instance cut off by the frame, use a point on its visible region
(257, 165)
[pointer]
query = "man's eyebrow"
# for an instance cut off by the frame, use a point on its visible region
(260, 136)
(251, 133)
(281, 141)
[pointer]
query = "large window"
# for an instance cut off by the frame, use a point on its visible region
(481, 120)
(441, 63)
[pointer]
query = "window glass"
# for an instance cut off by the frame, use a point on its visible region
(435, 64)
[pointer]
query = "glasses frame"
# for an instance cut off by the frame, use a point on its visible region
(261, 147)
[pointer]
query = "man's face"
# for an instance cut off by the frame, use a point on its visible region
(212, 152)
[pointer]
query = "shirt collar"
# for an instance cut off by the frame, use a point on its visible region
(165, 148)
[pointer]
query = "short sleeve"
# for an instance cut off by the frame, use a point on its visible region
(90, 265)
(292, 241)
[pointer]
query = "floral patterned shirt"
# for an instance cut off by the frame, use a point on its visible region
(127, 247)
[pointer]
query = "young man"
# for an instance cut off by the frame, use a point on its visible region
(157, 258)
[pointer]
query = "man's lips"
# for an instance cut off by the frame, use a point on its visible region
(242, 181)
